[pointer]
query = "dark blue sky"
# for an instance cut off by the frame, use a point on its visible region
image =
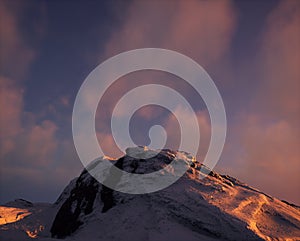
(49, 48)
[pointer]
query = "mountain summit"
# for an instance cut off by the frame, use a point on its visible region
(217, 207)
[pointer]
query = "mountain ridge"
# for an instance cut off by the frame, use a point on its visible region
(217, 207)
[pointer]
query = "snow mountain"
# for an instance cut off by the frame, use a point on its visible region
(217, 207)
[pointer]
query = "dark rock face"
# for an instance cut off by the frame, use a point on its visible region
(80, 201)
(84, 193)
(107, 194)
(192, 208)
(85, 201)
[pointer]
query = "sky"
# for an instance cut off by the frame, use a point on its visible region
(249, 48)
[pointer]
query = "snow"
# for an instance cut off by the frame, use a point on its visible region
(140, 152)
(11, 214)
(217, 207)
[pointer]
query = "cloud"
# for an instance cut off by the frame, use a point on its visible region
(264, 141)
(148, 112)
(21, 132)
(11, 104)
(16, 55)
(200, 29)
(33, 145)
(108, 145)
(203, 30)
(270, 159)
(204, 126)
(41, 142)
(65, 101)
(28, 143)
(279, 63)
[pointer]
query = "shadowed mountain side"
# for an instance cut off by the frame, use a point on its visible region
(218, 207)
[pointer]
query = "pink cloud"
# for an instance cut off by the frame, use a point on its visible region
(65, 101)
(11, 104)
(279, 61)
(108, 145)
(204, 126)
(22, 137)
(202, 30)
(270, 159)
(267, 136)
(149, 112)
(41, 142)
(16, 55)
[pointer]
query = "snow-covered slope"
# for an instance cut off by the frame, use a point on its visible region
(217, 207)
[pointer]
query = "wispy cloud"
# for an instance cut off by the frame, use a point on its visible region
(203, 30)
(28, 144)
(267, 135)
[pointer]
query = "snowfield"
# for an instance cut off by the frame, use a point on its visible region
(218, 207)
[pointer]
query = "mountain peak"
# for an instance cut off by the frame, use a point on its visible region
(218, 207)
